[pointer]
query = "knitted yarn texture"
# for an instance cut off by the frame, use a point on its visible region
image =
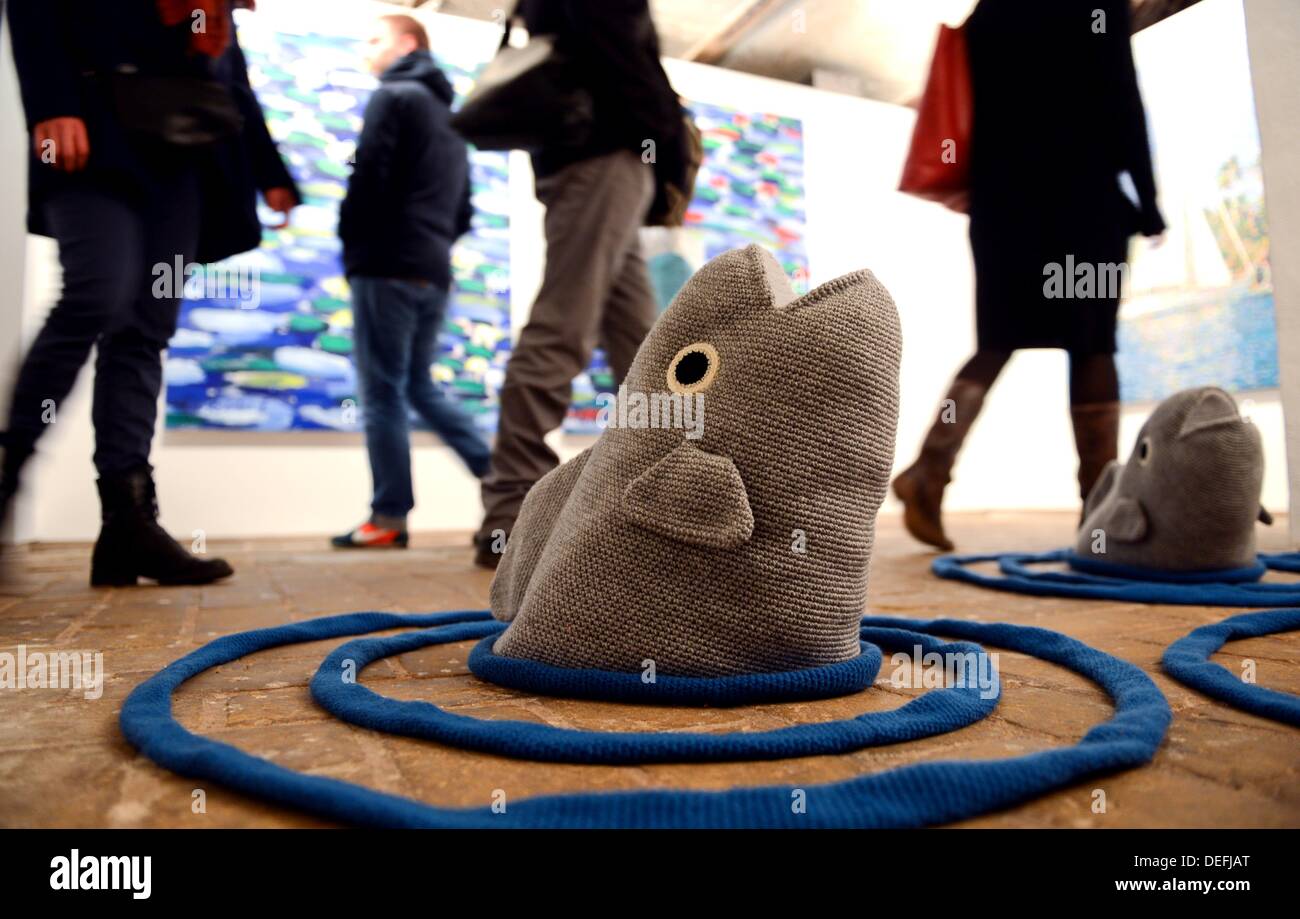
(1188, 497)
(743, 548)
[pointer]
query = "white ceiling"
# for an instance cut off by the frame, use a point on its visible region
(886, 44)
(882, 46)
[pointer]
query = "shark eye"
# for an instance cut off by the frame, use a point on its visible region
(1144, 451)
(693, 368)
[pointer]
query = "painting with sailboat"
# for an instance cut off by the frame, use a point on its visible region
(1200, 306)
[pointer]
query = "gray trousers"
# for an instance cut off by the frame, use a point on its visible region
(595, 291)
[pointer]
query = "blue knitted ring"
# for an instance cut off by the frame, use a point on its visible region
(1092, 580)
(839, 679)
(1133, 573)
(1187, 661)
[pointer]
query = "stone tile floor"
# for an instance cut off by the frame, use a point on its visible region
(64, 763)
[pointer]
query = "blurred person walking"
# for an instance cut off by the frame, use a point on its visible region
(407, 203)
(148, 147)
(597, 194)
(1058, 122)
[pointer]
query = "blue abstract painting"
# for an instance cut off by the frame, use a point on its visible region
(281, 358)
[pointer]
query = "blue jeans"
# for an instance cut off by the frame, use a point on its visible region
(110, 248)
(395, 328)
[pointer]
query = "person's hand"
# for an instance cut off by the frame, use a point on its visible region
(282, 200)
(62, 143)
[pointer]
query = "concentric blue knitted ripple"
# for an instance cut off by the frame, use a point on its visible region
(935, 712)
(1093, 580)
(915, 795)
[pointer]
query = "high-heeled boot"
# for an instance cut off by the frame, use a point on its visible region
(920, 487)
(1096, 439)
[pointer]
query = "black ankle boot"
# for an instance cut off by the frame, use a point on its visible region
(132, 545)
(15, 455)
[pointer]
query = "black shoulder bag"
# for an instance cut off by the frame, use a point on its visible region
(178, 110)
(526, 98)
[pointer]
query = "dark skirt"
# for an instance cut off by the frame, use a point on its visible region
(1051, 276)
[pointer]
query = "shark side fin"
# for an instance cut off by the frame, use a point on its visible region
(694, 497)
(1124, 520)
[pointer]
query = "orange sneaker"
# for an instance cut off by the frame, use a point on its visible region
(369, 536)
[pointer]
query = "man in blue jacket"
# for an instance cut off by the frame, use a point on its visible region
(407, 202)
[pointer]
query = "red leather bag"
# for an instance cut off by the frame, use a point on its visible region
(938, 161)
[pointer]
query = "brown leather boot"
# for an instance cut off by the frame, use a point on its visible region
(1096, 438)
(920, 486)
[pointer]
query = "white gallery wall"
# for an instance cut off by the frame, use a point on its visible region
(1020, 455)
(1272, 30)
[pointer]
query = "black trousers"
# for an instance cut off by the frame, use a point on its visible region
(120, 296)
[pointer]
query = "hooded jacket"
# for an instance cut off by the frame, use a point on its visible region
(406, 198)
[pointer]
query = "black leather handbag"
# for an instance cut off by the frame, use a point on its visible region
(526, 98)
(176, 110)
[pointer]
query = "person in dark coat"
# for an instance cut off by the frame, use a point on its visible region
(407, 202)
(1059, 143)
(598, 193)
(125, 204)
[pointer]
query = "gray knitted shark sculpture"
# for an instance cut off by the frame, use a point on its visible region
(732, 547)
(1188, 498)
